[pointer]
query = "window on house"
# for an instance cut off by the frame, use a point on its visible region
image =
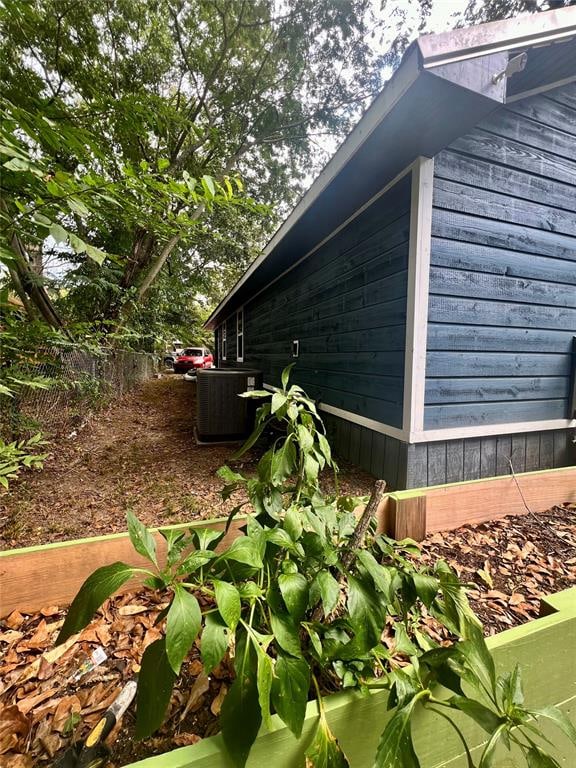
(240, 335)
(223, 349)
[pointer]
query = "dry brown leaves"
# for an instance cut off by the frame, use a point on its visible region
(43, 709)
(139, 454)
(510, 563)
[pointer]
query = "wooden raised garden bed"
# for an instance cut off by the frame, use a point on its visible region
(34, 577)
(51, 575)
(544, 649)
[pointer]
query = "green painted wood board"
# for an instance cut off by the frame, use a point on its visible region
(357, 721)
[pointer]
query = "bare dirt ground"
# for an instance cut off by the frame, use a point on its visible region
(138, 454)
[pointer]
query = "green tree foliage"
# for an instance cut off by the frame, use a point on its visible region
(479, 11)
(129, 125)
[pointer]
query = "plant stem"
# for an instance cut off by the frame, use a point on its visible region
(458, 731)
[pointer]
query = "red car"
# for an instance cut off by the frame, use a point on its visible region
(193, 358)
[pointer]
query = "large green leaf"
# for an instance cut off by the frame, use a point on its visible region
(536, 758)
(324, 751)
(395, 749)
(283, 461)
(286, 633)
(98, 587)
(228, 602)
(293, 523)
(487, 758)
(243, 550)
(214, 641)
(380, 575)
(182, 626)
(479, 661)
(485, 717)
(329, 590)
(365, 612)
(290, 691)
(264, 678)
(240, 717)
(142, 540)
(294, 589)
(426, 587)
(559, 718)
(155, 683)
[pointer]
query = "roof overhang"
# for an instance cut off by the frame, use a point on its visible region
(444, 86)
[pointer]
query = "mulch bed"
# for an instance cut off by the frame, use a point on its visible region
(510, 564)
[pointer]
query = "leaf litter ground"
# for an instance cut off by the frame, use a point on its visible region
(139, 454)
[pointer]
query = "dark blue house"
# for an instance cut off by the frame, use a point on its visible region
(425, 285)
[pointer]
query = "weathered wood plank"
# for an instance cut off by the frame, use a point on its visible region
(561, 455)
(391, 463)
(474, 311)
(546, 450)
(436, 463)
(456, 282)
(503, 455)
(448, 336)
(378, 455)
(456, 225)
(454, 461)
(417, 465)
(467, 364)
(467, 414)
(519, 453)
(517, 127)
(500, 261)
(480, 390)
(493, 205)
(366, 449)
(547, 112)
(472, 459)
(488, 456)
(508, 152)
(532, 452)
(507, 181)
(355, 437)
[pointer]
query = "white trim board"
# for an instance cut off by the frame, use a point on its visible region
(354, 418)
(489, 430)
(436, 435)
(408, 169)
(540, 89)
(417, 298)
(387, 99)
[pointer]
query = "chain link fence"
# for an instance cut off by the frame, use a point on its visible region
(71, 384)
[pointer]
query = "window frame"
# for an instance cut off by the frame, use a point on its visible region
(240, 334)
(223, 342)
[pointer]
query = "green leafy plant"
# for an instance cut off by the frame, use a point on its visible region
(302, 602)
(18, 455)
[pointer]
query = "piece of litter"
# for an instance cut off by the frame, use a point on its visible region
(97, 657)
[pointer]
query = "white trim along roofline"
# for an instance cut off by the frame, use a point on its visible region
(427, 52)
(399, 83)
(453, 433)
(531, 29)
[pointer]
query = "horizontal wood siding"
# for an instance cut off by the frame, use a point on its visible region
(502, 309)
(346, 305)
